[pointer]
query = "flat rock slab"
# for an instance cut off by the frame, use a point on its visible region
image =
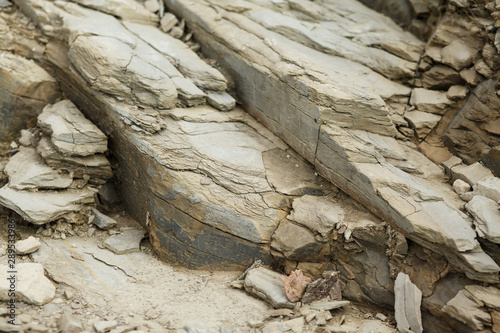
(328, 305)
(488, 187)
(128, 10)
(43, 207)
(31, 285)
(27, 170)
(71, 133)
(407, 305)
(269, 286)
(126, 242)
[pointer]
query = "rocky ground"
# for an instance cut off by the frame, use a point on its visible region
(360, 160)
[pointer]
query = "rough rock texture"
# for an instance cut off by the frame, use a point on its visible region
(27, 246)
(486, 217)
(70, 132)
(267, 285)
(331, 80)
(31, 285)
(407, 305)
(25, 88)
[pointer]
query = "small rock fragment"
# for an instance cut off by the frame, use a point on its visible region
(102, 221)
(90, 232)
(295, 285)
(268, 285)
(467, 196)
(326, 287)
(176, 32)
(206, 181)
(461, 187)
(238, 284)
(328, 305)
(279, 313)
(152, 5)
(168, 22)
(381, 316)
(68, 294)
(457, 55)
(221, 101)
(293, 325)
(486, 217)
(126, 242)
(456, 93)
(26, 137)
(488, 187)
(28, 245)
(69, 324)
(103, 326)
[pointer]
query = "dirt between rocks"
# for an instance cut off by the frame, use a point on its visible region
(141, 293)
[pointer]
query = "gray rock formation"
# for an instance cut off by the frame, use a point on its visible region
(407, 305)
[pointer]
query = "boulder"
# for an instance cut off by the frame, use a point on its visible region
(488, 187)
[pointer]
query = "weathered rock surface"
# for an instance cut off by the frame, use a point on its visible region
(31, 285)
(102, 221)
(127, 10)
(45, 206)
(488, 187)
(70, 132)
(26, 170)
(269, 286)
(407, 305)
(25, 88)
(486, 214)
(126, 242)
(27, 246)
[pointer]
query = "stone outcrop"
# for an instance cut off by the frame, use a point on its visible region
(220, 189)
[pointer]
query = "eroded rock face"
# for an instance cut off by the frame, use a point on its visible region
(25, 89)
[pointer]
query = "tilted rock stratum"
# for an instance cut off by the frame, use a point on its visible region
(334, 98)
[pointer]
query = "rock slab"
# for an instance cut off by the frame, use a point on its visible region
(407, 305)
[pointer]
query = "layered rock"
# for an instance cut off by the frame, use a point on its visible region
(32, 175)
(25, 89)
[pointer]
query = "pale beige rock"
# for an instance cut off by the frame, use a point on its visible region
(128, 10)
(168, 21)
(127, 241)
(472, 174)
(488, 187)
(429, 101)
(267, 285)
(31, 285)
(43, 207)
(27, 246)
(318, 214)
(71, 133)
(464, 308)
(457, 55)
(457, 93)
(111, 66)
(423, 122)
(486, 215)
(26, 170)
(461, 187)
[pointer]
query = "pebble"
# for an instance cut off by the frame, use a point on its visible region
(104, 326)
(68, 294)
(69, 324)
(381, 316)
(90, 232)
